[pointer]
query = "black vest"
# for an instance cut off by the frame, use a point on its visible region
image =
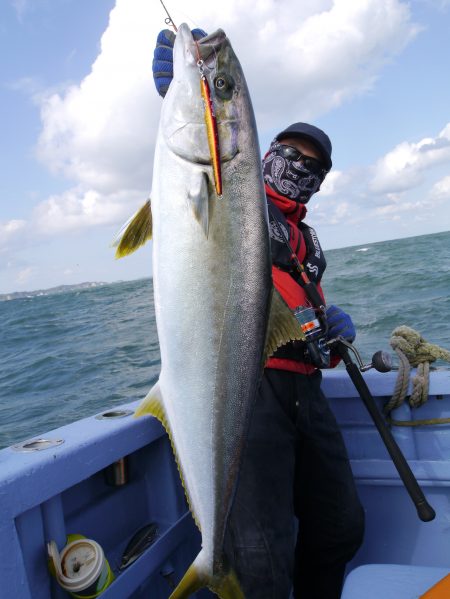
(314, 261)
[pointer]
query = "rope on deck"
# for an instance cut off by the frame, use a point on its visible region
(413, 350)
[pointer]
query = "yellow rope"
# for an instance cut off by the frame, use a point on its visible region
(413, 350)
(415, 347)
(427, 422)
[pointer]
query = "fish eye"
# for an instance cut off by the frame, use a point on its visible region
(220, 83)
(223, 86)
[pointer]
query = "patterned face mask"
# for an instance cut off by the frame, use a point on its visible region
(290, 178)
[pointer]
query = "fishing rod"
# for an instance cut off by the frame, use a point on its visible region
(381, 361)
(168, 20)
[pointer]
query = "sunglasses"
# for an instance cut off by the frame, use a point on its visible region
(313, 165)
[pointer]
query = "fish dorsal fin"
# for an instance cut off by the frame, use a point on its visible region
(198, 200)
(135, 232)
(282, 326)
(153, 405)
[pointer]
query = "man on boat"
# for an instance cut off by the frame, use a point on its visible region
(295, 462)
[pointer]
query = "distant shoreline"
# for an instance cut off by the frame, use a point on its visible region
(51, 291)
(4, 297)
(359, 247)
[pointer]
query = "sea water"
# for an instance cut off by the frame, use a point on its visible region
(67, 355)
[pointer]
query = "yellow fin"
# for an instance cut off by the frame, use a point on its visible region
(192, 581)
(195, 578)
(152, 404)
(282, 326)
(135, 232)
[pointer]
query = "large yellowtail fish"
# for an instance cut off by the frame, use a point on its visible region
(213, 289)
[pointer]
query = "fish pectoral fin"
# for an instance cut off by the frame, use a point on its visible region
(135, 232)
(198, 200)
(282, 326)
(225, 586)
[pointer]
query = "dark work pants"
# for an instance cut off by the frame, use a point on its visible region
(295, 464)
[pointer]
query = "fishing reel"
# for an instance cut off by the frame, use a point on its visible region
(381, 360)
(317, 346)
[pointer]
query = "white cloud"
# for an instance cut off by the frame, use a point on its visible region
(441, 189)
(349, 198)
(10, 230)
(301, 60)
(304, 58)
(81, 209)
(330, 212)
(101, 133)
(334, 181)
(314, 60)
(25, 274)
(395, 208)
(404, 167)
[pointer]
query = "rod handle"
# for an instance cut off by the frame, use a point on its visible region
(425, 512)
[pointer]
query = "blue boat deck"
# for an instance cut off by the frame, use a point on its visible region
(60, 490)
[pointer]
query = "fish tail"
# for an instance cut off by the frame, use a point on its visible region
(225, 587)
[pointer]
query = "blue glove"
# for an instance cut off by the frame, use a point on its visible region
(340, 323)
(162, 65)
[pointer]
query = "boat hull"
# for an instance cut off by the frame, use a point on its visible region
(67, 488)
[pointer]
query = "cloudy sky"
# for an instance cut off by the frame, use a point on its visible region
(79, 113)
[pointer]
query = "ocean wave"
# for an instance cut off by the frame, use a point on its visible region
(68, 355)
